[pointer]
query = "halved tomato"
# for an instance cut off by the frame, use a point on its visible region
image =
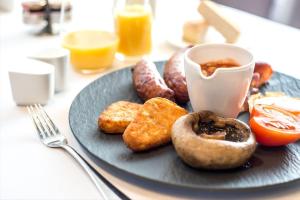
(274, 126)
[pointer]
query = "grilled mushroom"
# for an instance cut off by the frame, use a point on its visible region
(204, 140)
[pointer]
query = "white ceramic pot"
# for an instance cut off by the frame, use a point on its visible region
(31, 82)
(59, 58)
(224, 91)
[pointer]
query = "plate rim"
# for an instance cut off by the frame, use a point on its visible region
(190, 186)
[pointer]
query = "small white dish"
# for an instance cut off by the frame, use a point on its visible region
(31, 82)
(59, 58)
(224, 91)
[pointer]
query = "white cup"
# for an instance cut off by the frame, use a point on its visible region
(31, 81)
(59, 58)
(223, 92)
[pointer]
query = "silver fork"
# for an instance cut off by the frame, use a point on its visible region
(51, 137)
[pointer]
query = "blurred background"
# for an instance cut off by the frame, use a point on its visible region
(282, 11)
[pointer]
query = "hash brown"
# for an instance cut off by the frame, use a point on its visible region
(116, 117)
(152, 124)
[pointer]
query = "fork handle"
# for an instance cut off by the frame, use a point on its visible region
(87, 168)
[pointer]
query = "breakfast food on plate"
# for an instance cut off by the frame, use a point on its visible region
(209, 68)
(152, 124)
(194, 31)
(214, 17)
(174, 76)
(204, 140)
(148, 82)
(275, 120)
(116, 117)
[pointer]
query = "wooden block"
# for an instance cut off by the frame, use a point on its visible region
(214, 16)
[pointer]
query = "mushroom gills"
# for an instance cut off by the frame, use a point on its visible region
(217, 130)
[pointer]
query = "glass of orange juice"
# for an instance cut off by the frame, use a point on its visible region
(133, 25)
(91, 50)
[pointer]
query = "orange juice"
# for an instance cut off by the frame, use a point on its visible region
(133, 26)
(91, 50)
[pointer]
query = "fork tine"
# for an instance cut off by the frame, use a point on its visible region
(40, 122)
(47, 130)
(35, 122)
(48, 119)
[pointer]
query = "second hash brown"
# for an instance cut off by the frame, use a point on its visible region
(152, 124)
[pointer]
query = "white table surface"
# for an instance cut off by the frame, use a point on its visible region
(29, 170)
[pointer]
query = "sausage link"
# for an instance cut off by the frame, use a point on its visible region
(174, 76)
(264, 70)
(148, 82)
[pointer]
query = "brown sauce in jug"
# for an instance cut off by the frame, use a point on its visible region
(209, 68)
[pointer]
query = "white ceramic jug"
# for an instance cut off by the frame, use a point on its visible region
(224, 91)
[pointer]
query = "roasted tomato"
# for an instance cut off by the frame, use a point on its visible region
(274, 126)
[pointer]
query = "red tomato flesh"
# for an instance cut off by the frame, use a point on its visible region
(274, 126)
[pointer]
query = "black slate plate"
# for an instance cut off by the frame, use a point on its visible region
(269, 166)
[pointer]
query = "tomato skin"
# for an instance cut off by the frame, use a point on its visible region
(268, 136)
